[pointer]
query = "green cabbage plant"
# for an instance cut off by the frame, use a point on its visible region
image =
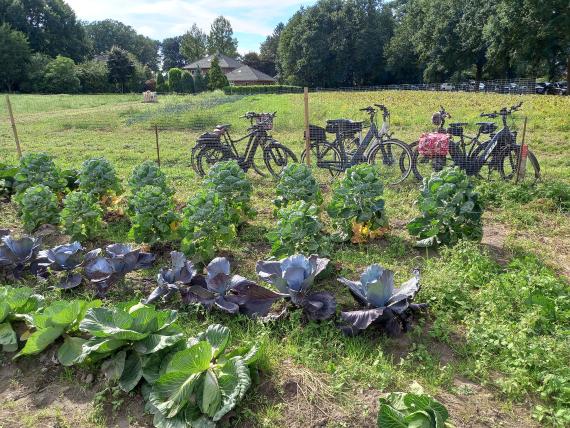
(15, 303)
(357, 205)
(197, 386)
(297, 183)
(154, 218)
(450, 210)
(98, 177)
(82, 216)
(35, 169)
(39, 206)
(298, 230)
(207, 225)
(413, 409)
(230, 182)
(148, 173)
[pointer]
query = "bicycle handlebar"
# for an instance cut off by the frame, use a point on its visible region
(503, 112)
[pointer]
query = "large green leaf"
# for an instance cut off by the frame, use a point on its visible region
(173, 390)
(216, 335)
(132, 372)
(4, 311)
(419, 419)
(195, 359)
(113, 367)
(390, 418)
(40, 340)
(234, 380)
(8, 338)
(209, 395)
(105, 322)
(101, 345)
(71, 350)
(156, 342)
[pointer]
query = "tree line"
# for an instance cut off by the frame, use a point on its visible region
(45, 48)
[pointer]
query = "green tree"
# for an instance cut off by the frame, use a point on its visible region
(94, 77)
(254, 60)
(220, 39)
(50, 26)
(200, 83)
(171, 54)
(187, 83)
(161, 85)
(175, 80)
(216, 78)
(34, 80)
(268, 49)
(193, 44)
(14, 56)
(121, 67)
(61, 76)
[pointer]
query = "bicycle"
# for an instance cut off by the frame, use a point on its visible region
(349, 149)
(218, 146)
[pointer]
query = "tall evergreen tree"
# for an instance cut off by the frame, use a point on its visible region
(200, 83)
(216, 78)
(220, 39)
(171, 55)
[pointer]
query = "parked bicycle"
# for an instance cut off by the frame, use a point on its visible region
(349, 147)
(217, 146)
(498, 155)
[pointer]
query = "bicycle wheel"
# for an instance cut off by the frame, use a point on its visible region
(424, 166)
(508, 165)
(394, 159)
(195, 150)
(207, 156)
(276, 157)
(325, 156)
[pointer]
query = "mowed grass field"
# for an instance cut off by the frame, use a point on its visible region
(487, 350)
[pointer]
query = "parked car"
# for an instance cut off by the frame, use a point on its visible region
(447, 87)
(548, 88)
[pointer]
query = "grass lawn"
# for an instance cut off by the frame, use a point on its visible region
(494, 348)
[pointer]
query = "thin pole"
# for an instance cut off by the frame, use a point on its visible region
(157, 145)
(307, 136)
(14, 130)
(523, 153)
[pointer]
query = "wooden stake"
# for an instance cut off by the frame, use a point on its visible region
(14, 130)
(307, 136)
(157, 146)
(523, 153)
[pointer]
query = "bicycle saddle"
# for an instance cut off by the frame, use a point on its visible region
(485, 123)
(226, 126)
(459, 124)
(343, 122)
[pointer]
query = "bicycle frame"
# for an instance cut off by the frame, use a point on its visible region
(256, 138)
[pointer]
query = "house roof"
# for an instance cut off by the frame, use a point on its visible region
(248, 74)
(206, 63)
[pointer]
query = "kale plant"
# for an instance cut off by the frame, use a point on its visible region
(199, 385)
(451, 210)
(297, 183)
(36, 169)
(298, 229)
(15, 303)
(149, 173)
(154, 218)
(230, 182)
(294, 277)
(97, 177)
(207, 225)
(39, 206)
(82, 216)
(385, 306)
(357, 206)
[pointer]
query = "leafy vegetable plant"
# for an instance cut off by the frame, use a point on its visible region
(63, 258)
(118, 260)
(207, 225)
(82, 216)
(297, 183)
(388, 307)
(230, 182)
(125, 336)
(197, 386)
(14, 304)
(400, 409)
(298, 229)
(357, 206)
(294, 277)
(36, 169)
(451, 210)
(7, 180)
(97, 177)
(149, 173)
(154, 218)
(17, 254)
(39, 206)
(52, 322)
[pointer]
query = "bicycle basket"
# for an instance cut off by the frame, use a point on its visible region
(209, 138)
(265, 121)
(343, 126)
(434, 144)
(487, 127)
(316, 133)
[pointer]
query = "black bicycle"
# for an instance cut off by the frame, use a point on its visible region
(218, 146)
(349, 148)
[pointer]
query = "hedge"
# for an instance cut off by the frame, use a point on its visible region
(261, 89)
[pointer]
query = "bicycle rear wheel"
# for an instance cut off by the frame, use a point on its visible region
(325, 156)
(423, 166)
(394, 159)
(508, 165)
(207, 156)
(276, 157)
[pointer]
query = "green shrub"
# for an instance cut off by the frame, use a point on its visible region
(186, 83)
(97, 177)
(216, 78)
(297, 183)
(38, 206)
(230, 182)
(357, 206)
(451, 210)
(154, 217)
(81, 217)
(261, 89)
(38, 168)
(148, 173)
(207, 224)
(298, 230)
(61, 76)
(175, 80)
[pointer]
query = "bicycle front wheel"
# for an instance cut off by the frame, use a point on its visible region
(509, 163)
(326, 156)
(393, 158)
(276, 157)
(207, 156)
(424, 166)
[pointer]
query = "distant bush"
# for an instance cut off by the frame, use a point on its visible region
(175, 80)
(186, 83)
(61, 76)
(94, 77)
(261, 89)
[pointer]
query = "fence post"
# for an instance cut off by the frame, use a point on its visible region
(157, 146)
(14, 130)
(523, 153)
(307, 136)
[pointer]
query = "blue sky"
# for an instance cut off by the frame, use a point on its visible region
(252, 20)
